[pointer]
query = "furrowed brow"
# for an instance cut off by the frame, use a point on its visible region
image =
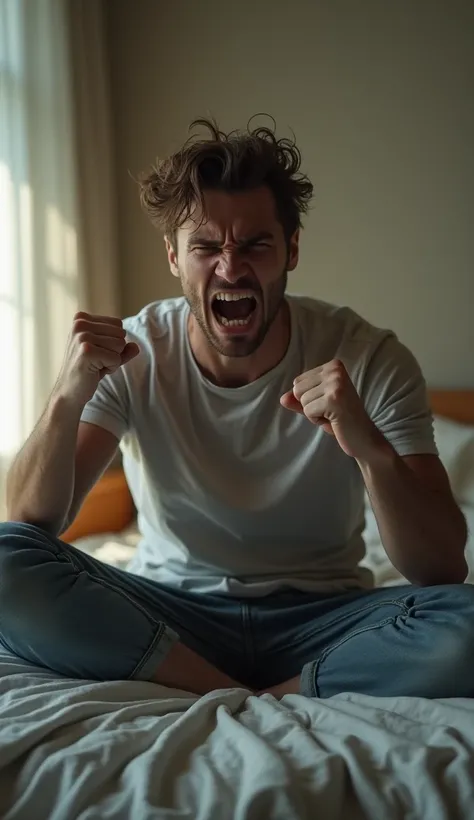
(203, 241)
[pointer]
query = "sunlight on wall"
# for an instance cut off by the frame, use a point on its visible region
(38, 214)
(32, 340)
(26, 312)
(61, 259)
(10, 370)
(10, 376)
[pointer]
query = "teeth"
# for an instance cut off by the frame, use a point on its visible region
(234, 322)
(226, 296)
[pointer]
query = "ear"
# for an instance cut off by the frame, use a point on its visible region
(293, 250)
(172, 257)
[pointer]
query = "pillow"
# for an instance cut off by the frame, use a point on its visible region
(469, 514)
(455, 443)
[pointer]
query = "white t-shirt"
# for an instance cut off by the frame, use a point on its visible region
(235, 494)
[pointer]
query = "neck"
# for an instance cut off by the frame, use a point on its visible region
(235, 371)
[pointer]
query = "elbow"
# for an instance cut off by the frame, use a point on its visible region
(450, 577)
(462, 575)
(454, 569)
(459, 569)
(455, 572)
(18, 516)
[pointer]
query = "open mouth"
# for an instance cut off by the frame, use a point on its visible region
(234, 308)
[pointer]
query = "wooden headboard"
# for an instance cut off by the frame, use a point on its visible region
(457, 405)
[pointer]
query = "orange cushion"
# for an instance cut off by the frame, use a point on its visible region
(107, 508)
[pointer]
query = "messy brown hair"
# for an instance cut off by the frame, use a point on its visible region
(237, 161)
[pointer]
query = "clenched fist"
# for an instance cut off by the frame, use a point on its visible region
(96, 346)
(327, 397)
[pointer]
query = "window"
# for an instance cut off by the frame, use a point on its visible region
(38, 237)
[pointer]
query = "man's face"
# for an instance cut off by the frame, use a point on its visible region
(233, 268)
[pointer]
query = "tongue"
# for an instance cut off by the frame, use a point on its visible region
(237, 309)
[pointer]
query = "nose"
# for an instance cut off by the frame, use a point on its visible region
(230, 266)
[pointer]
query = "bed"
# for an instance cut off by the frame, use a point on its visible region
(80, 749)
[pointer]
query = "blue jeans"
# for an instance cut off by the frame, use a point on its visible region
(62, 609)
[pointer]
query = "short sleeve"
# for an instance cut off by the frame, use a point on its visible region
(395, 397)
(109, 406)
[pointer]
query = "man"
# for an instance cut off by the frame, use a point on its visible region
(249, 423)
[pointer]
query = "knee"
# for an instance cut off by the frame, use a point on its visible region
(15, 535)
(459, 611)
(465, 594)
(23, 547)
(449, 667)
(455, 601)
(12, 544)
(33, 575)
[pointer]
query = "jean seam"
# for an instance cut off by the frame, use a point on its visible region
(109, 584)
(154, 643)
(60, 554)
(248, 643)
(398, 602)
(163, 628)
(343, 640)
(160, 627)
(123, 594)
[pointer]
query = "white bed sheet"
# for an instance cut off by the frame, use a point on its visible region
(78, 749)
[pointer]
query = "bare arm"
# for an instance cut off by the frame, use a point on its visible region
(57, 467)
(422, 528)
(40, 484)
(95, 450)
(63, 458)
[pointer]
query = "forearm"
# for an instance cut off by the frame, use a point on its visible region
(423, 532)
(40, 484)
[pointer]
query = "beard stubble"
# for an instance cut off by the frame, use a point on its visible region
(238, 347)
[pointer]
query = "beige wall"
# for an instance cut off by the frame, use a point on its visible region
(380, 97)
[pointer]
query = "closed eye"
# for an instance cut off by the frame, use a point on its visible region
(247, 248)
(257, 246)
